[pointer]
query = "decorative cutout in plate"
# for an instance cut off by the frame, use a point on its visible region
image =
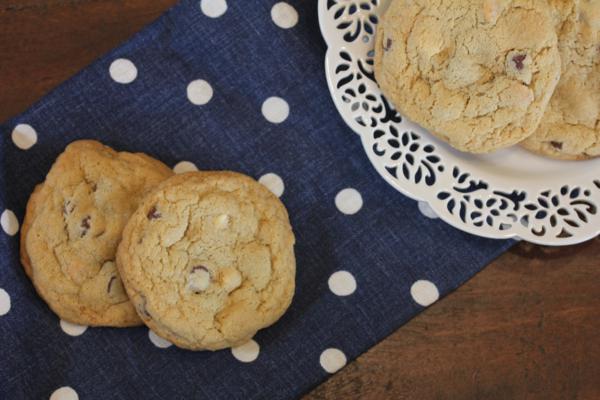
(509, 194)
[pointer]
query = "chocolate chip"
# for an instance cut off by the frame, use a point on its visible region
(68, 207)
(110, 282)
(518, 60)
(142, 308)
(557, 145)
(85, 225)
(388, 44)
(153, 213)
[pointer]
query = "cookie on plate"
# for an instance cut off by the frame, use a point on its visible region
(478, 74)
(208, 259)
(72, 227)
(570, 128)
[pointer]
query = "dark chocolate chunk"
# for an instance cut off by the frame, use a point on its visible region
(153, 213)
(85, 225)
(387, 45)
(556, 145)
(518, 60)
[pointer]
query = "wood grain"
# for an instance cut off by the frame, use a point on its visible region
(44, 42)
(527, 327)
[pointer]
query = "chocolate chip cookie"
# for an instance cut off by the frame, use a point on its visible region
(73, 225)
(208, 260)
(570, 128)
(478, 74)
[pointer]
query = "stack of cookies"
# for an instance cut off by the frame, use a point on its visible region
(205, 259)
(487, 74)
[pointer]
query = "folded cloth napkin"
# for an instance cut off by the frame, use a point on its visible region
(227, 85)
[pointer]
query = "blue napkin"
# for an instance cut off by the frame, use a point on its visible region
(240, 86)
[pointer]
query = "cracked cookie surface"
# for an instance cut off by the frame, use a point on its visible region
(208, 259)
(72, 227)
(478, 74)
(570, 128)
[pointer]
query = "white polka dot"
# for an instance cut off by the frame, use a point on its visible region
(158, 341)
(426, 210)
(123, 70)
(424, 292)
(349, 201)
(199, 92)
(72, 329)
(273, 182)
(275, 110)
(284, 15)
(342, 283)
(213, 8)
(64, 393)
(184, 166)
(24, 136)
(9, 222)
(247, 352)
(332, 360)
(4, 302)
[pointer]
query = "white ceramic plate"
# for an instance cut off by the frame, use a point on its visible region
(509, 194)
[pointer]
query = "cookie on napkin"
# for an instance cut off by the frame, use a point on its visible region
(208, 259)
(73, 225)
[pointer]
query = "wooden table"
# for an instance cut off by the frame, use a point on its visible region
(528, 326)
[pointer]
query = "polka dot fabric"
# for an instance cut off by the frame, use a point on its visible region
(239, 85)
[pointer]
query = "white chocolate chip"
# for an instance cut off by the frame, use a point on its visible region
(115, 289)
(231, 279)
(199, 279)
(222, 221)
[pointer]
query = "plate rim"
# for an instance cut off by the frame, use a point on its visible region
(409, 190)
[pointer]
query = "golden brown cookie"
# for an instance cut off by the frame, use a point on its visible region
(73, 225)
(32, 205)
(476, 73)
(208, 259)
(570, 128)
